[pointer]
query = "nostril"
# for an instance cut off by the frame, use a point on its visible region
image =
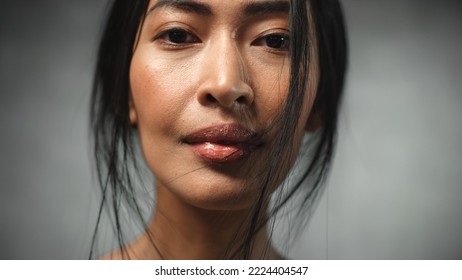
(240, 99)
(225, 98)
(210, 98)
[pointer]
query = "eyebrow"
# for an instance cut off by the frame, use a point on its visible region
(266, 7)
(250, 9)
(184, 5)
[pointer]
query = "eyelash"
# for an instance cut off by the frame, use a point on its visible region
(185, 37)
(280, 39)
(167, 36)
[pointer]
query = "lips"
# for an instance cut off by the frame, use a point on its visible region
(223, 143)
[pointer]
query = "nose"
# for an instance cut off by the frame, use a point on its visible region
(225, 81)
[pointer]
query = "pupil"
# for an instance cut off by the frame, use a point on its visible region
(276, 41)
(177, 36)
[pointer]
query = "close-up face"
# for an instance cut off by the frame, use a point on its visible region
(208, 80)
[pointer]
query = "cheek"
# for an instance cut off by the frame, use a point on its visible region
(158, 90)
(270, 85)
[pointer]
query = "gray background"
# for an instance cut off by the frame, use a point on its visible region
(396, 183)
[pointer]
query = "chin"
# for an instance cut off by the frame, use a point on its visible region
(213, 191)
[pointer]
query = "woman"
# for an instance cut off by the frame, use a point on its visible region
(220, 95)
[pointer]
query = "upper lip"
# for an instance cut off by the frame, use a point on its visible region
(226, 134)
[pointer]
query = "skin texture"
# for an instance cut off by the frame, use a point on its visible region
(218, 70)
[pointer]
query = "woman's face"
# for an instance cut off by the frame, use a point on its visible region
(208, 78)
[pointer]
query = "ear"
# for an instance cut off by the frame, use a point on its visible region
(132, 111)
(315, 121)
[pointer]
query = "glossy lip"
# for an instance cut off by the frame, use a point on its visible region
(223, 143)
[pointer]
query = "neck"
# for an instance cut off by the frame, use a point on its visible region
(179, 230)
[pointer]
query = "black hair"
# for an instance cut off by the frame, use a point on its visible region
(113, 135)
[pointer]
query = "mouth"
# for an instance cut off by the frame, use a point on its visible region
(223, 143)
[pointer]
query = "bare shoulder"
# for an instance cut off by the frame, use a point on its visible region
(140, 249)
(115, 255)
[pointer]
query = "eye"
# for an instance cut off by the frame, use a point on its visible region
(278, 42)
(177, 36)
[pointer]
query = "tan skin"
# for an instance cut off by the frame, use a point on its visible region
(194, 68)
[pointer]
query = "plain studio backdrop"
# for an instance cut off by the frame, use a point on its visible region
(395, 189)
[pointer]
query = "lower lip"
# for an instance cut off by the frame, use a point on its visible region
(218, 153)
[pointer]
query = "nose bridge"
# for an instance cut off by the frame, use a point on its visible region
(225, 78)
(229, 68)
